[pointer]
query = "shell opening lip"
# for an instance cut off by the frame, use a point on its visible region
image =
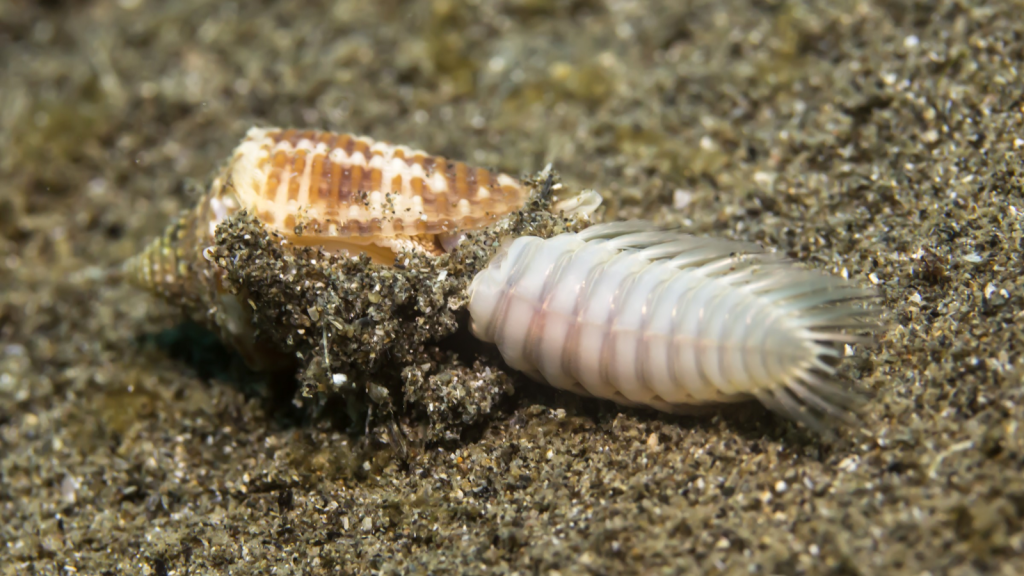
(451, 240)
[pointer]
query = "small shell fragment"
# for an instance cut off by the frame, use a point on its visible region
(642, 316)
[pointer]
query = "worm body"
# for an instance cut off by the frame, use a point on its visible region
(642, 316)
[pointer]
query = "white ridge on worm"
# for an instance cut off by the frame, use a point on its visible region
(645, 316)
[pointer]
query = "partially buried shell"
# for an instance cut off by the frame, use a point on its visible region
(347, 194)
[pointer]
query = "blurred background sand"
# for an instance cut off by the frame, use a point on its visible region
(879, 138)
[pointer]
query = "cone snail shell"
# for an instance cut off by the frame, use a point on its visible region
(344, 193)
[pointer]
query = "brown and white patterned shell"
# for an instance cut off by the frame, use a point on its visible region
(347, 194)
(341, 186)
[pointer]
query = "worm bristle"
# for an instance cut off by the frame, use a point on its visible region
(615, 229)
(815, 402)
(780, 401)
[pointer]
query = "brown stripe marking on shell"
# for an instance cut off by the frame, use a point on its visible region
(355, 186)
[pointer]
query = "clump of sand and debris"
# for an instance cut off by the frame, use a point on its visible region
(387, 339)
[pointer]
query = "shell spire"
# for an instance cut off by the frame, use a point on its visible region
(178, 267)
(173, 263)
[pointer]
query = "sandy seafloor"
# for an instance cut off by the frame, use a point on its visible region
(883, 138)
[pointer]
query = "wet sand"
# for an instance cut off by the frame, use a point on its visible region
(883, 139)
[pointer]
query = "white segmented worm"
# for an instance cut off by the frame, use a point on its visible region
(643, 316)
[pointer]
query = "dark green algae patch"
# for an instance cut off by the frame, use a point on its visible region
(394, 339)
